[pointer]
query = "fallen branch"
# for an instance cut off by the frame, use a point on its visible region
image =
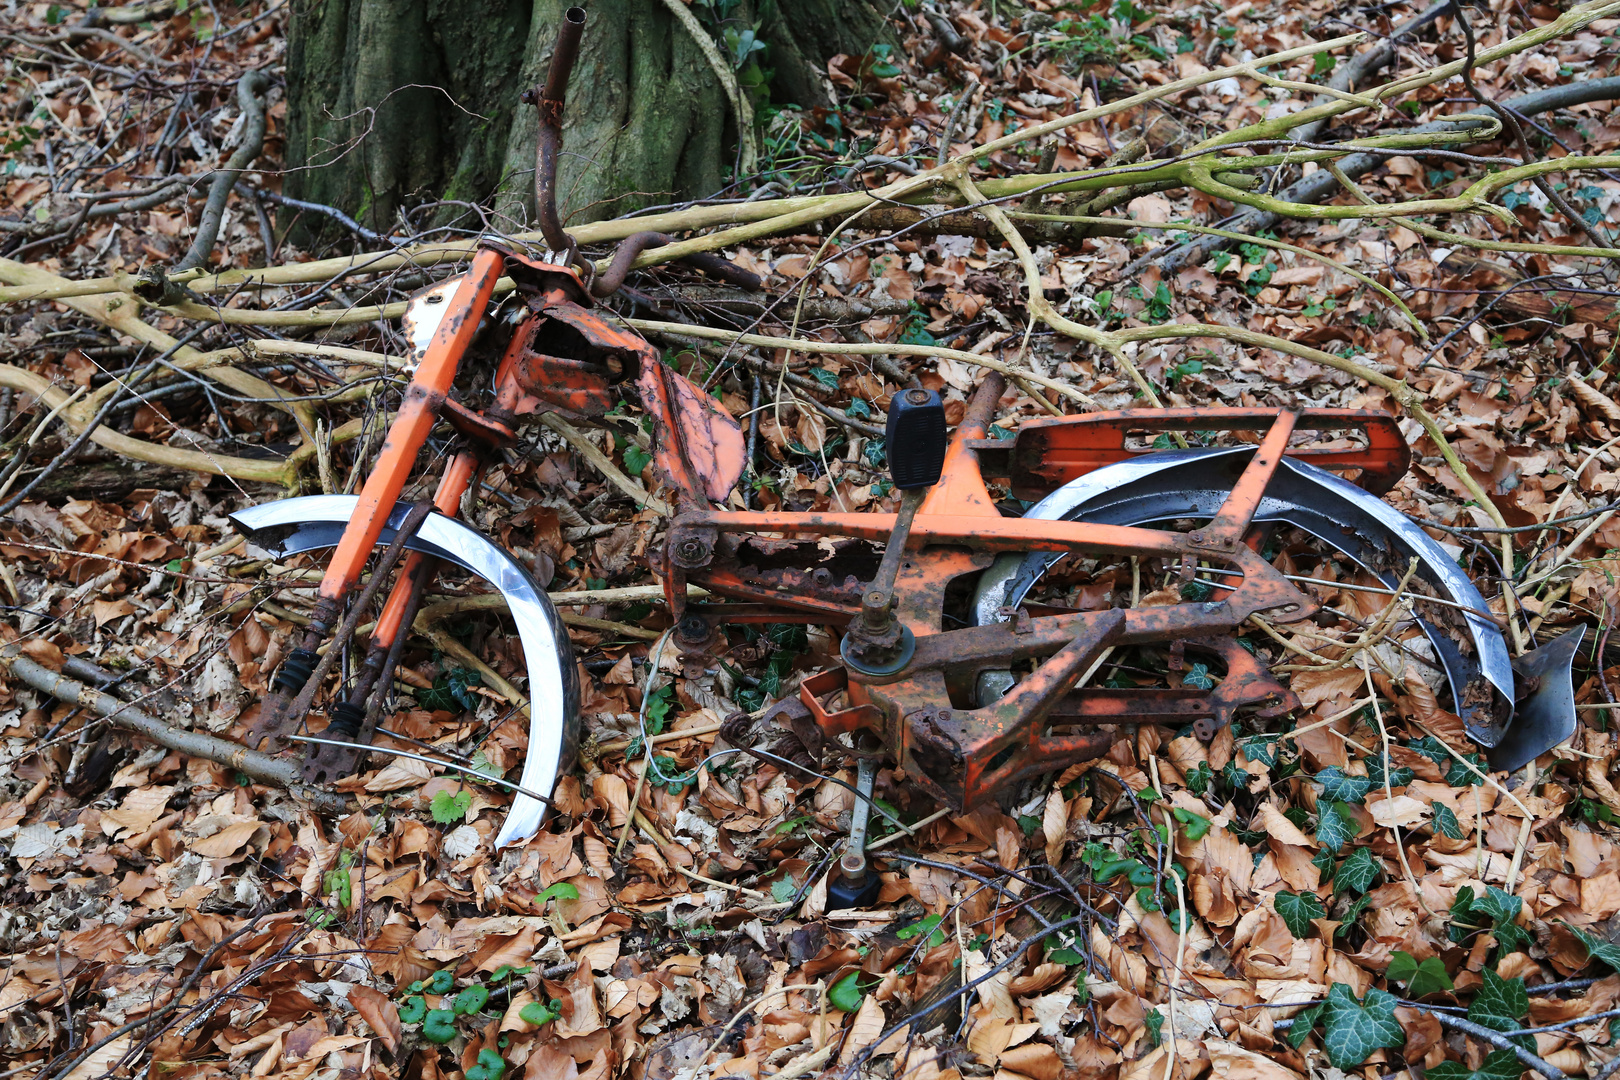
(1322, 184)
(251, 763)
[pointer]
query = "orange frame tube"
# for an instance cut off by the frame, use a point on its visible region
(417, 414)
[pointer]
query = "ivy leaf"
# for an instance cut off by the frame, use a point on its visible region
(1445, 822)
(1597, 948)
(1459, 775)
(1348, 919)
(1261, 749)
(1304, 1024)
(845, 994)
(824, 377)
(1297, 910)
(1498, 1065)
(1357, 872)
(439, 1027)
(1500, 1004)
(1323, 861)
(447, 807)
(1501, 906)
(1335, 825)
(1399, 775)
(1431, 748)
(1338, 787)
(1352, 1030)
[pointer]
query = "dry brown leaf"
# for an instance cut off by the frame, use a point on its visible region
(863, 1030)
(1230, 1061)
(1594, 398)
(1402, 810)
(138, 812)
(378, 1010)
(1036, 1060)
(1279, 828)
(227, 842)
(1055, 826)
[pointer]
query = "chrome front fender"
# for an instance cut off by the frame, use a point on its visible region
(1166, 486)
(317, 521)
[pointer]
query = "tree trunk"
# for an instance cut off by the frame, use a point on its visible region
(397, 103)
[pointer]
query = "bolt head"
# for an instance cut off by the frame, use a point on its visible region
(917, 397)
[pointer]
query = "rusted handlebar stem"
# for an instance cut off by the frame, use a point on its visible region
(552, 96)
(550, 99)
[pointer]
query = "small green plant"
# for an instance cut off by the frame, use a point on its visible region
(446, 807)
(538, 1013)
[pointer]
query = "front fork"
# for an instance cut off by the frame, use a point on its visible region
(424, 398)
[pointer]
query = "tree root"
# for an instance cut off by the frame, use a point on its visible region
(249, 95)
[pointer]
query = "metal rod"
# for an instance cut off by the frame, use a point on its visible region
(853, 864)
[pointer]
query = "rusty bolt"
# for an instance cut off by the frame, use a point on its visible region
(694, 629)
(917, 397)
(822, 577)
(691, 551)
(945, 715)
(1196, 537)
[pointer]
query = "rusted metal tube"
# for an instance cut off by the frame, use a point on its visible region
(609, 280)
(550, 100)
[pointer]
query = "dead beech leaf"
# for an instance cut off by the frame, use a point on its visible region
(227, 842)
(1230, 1061)
(1402, 810)
(1044, 977)
(615, 795)
(863, 1030)
(1317, 685)
(1055, 826)
(1594, 399)
(138, 812)
(1036, 1059)
(1280, 828)
(100, 1062)
(399, 774)
(379, 1012)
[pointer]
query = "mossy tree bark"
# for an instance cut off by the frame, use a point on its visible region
(395, 103)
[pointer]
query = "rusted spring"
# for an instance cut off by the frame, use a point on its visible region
(609, 280)
(550, 100)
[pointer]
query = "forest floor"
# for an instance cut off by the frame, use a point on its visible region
(1344, 889)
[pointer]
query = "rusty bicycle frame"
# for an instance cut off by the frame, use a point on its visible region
(902, 674)
(917, 698)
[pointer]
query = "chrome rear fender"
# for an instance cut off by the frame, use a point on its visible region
(1194, 483)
